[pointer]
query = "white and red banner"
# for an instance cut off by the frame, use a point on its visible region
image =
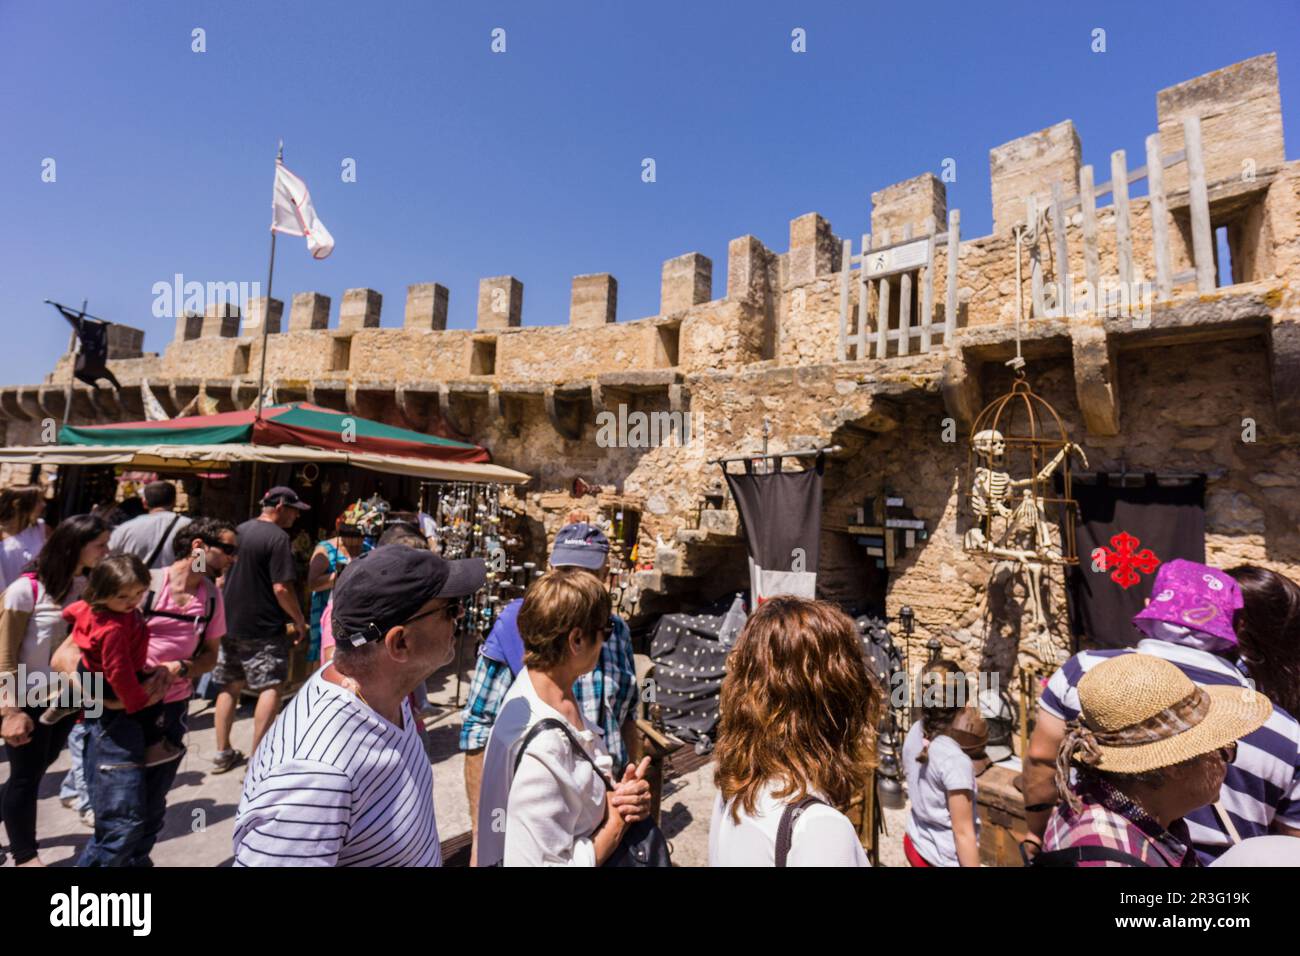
(294, 215)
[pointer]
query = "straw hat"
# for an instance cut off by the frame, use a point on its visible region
(1143, 713)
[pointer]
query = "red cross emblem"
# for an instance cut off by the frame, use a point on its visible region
(1123, 556)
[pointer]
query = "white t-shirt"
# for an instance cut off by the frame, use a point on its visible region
(545, 814)
(46, 629)
(821, 836)
(928, 821)
(16, 550)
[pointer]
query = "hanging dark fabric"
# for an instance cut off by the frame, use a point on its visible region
(1127, 532)
(781, 514)
(92, 358)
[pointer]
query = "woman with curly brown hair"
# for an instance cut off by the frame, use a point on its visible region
(796, 739)
(1268, 634)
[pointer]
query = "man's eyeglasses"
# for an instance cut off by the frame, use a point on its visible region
(1228, 753)
(230, 549)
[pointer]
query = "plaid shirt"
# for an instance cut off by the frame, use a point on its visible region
(607, 695)
(1108, 818)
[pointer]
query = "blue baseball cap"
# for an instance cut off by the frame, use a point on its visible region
(580, 545)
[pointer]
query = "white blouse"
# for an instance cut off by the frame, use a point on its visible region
(545, 814)
(821, 836)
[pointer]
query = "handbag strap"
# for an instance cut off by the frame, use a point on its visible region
(548, 723)
(157, 548)
(785, 829)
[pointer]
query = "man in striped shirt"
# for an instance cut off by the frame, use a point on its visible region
(341, 778)
(1261, 793)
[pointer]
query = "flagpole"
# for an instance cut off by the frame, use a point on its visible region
(266, 312)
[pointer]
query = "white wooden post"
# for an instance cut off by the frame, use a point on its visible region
(1064, 297)
(1199, 201)
(1159, 217)
(927, 288)
(1091, 260)
(846, 264)
(950, 294)
(1035, 261)
(905, 304)
(1123, 236)
(864, 294)
(882, 307)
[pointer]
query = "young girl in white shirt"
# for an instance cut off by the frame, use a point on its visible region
(796, 739)
(942, 827)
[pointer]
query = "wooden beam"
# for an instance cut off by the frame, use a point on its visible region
(1123, 234)
(1159, 218)
(846, 266)
(1199, 202)
(950, 294)
(864, 296)
(927, 289)
(904, 301)
(1035, 260)
(882, 308)
(1091, 260)
(1062, 252)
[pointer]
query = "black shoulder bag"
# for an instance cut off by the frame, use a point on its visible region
(1073, 856)
(643, 843)
(785, 829)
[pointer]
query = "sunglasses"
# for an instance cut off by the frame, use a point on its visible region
(1228, 753)
(453, 611)
(230, 549)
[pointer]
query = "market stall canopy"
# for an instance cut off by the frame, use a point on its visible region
(294, 424)
(213, 457)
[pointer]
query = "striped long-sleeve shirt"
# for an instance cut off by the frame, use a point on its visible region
(1263, 782)
(334, 784)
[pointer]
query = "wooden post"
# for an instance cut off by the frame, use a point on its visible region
(1035, 261)
(1159, 217)
(1123, 237)
(882, 307)
(905, 304)
(927, 288)
(846, 264)
(950, 294)
(864, 294)
(1091, 260)
(1199, 201)
(1064, 298)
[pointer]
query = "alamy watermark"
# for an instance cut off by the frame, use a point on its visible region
(42, 689)
(1110, 297)
(938, 689)
(637, 429)
(178, 297)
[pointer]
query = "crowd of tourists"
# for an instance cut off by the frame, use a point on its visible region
(1180, 751)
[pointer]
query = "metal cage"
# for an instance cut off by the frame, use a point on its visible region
(1031, 435)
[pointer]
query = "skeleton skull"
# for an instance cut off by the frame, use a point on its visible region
(990, 444)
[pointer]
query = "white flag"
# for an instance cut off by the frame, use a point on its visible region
(153, 410)
(294, 215)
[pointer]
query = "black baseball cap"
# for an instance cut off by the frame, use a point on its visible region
(385, 587)
(283, 495)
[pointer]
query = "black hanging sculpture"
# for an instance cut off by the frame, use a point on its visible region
(92, 357)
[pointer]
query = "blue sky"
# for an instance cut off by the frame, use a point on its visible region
(528, 163)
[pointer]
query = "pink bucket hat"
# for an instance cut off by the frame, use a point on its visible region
(1194, 596)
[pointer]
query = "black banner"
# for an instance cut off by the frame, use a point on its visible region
(1124, 534)
(781, 513)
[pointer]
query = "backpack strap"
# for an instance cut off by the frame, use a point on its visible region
(157, 580)
(162, 542)
(1073, 856)
(785, 829)
(549, 723)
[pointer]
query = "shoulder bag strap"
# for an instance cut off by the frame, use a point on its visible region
(785, 829)
(1073, 856)
(157, 548)
(547, 723)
